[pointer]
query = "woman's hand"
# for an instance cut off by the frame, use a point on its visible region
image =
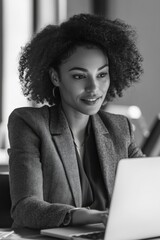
(88, 216)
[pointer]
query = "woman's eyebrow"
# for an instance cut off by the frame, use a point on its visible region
(105, 65)
(78, 68)
(85, 70)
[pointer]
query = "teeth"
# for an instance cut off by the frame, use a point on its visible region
(91, 100)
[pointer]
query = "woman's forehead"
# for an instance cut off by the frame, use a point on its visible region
(84, 56)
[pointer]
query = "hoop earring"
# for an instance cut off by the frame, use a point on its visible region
(53, 91)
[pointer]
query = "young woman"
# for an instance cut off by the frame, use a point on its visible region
(63, 155)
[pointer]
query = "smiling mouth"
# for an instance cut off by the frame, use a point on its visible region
(91, 101)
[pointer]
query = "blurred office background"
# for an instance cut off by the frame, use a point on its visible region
(20, 19)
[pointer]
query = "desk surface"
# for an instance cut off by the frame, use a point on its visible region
(26, 234)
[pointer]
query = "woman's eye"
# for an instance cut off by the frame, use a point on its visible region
(102, 75)
(78, 76)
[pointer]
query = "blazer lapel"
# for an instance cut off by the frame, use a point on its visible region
(105, 151)
(62, 137)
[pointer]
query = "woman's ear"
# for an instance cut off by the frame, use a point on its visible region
(54, 77)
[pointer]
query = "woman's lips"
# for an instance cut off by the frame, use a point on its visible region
(91, 101)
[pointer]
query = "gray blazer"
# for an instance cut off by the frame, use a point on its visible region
(44, 176)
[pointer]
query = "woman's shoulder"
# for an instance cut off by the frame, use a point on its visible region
(112, 116)
(114, 121)
(37, 118)
(29, 112)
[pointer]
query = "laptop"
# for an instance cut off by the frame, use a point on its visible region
(135, 206)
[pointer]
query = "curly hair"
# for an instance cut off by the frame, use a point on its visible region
(55, 43)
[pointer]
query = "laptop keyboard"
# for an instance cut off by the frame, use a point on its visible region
(94, 235)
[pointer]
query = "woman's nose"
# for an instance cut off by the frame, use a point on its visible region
(91, 84)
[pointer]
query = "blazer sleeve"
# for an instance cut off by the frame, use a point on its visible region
(26, 179)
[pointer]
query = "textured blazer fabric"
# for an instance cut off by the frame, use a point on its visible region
(44, 175)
